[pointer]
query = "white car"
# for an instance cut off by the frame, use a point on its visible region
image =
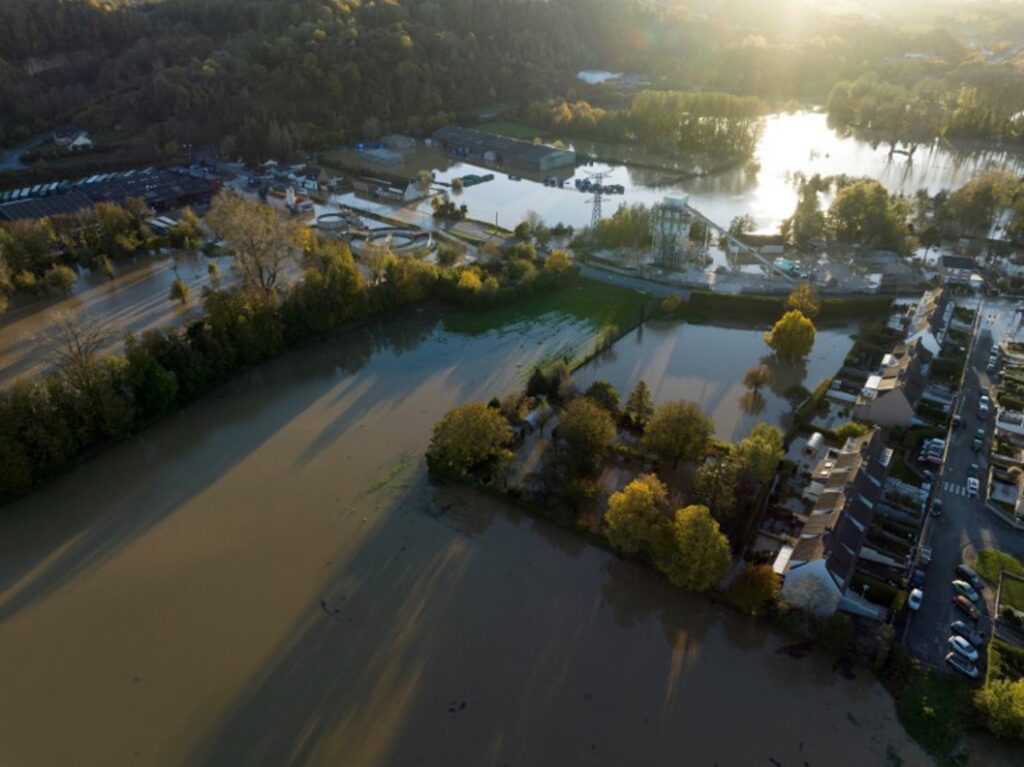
(972, 487)
(961, 646)
(916, 597)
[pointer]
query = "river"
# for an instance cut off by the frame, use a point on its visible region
(791, 143)
(267, 577)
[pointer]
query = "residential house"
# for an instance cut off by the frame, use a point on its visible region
(72, 140)
(957, 270)
(818, 568)
(890, 396)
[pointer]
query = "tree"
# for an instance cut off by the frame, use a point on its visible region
(1002, 702)
(557, 263)
(792, 337)
(60, 279)
(106, 266)
(74, 343)
(804, 299)
(756, 377)
(639, 406)
(636, 519)
(851, 429)
(377, 259)
(760, 452)
(715, 485)
(678, 431)
(605, 395)
(587, 431)
(754, 589)
(264, 241)
(864, 213)
(697, 555)
(180, 291)
(468, 437)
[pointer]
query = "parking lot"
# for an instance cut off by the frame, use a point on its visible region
(965, 526)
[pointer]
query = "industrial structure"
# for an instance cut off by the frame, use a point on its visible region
(477, 146)
(671, 221)
(161, 190)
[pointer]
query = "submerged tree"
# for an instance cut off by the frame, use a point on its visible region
(697, 556)
(792, 337)
(263, 240)
(469, 436)
(636, 518)
(678, 431)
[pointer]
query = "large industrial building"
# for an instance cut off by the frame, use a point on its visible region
(161, 190)
(477, 146)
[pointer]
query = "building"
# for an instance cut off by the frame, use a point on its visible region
(72, 140)
(845, 486)
(957, 270)
(477, 146)
(398, 142)
(382, 156)
(928, 320)
(161, 190)
(394, 189)
(890, 396)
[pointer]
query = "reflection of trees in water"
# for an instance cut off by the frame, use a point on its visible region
(752, 402)
(460, 508)
(784, 374)
(351, 350)
(636, 593)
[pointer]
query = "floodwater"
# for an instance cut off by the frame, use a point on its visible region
(136, 300)
(799, 142)
(706, 364)
(268, 578)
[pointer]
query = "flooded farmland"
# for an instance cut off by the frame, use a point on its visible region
(268, 578)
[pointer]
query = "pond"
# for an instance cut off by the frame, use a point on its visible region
(791, 143)
(706, 364)
(267, 577)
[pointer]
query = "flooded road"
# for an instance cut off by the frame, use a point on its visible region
(268, 578)
(706, 363)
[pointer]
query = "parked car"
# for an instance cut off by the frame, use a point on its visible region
(973, 486)
(963, 587)
(973, 470)
(965, 604)
(960, 645)
(917, 579)
(968, 574)
(926, 556)
(937, 507)
(969, 633)
(962, 665)
(915, 599)
(979, 433)
(977, 444)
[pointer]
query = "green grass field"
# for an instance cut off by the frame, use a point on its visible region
(597, 304)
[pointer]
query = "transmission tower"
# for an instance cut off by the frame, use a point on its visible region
(595, 214)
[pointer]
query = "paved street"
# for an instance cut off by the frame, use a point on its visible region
(965, 525)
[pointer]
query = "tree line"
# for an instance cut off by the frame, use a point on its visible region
(48, 423)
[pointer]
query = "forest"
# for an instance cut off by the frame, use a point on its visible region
(260, 78)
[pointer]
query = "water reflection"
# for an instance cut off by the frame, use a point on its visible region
(706, 364)
(791, 144)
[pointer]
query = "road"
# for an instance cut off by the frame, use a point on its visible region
(658, 289)
(965, 525)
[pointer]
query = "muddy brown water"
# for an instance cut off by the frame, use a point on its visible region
(268, 578)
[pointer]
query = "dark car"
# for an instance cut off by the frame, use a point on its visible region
(937, 507)
(969, 575)
(963, 603)
(968, 632)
